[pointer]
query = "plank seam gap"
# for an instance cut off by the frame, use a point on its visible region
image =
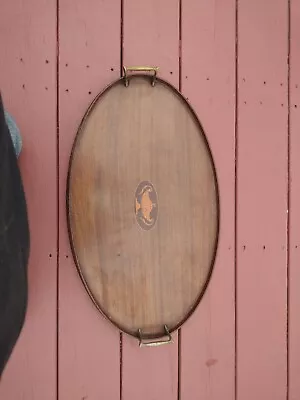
(288, 201)
(180, 45)
(235, 200)
(179, 366)
(57, 201)
(180, 89)
(121, 73)
(121, 365)
(121, 37)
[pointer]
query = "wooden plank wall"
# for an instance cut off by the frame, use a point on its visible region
(262, 199)
(238, 63)
(294, 225)
(28, 86)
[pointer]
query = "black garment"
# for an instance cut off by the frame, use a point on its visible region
(14, 246)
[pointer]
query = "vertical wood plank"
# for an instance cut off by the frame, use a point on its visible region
(294, 278)
(89, 41)
(28, 85)
(208, 81)
(151, 37)
(262, 200)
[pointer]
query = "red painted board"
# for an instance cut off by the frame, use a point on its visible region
(208, 81)
(28, 86)
(294, 271)
(151, 37)
(89, 46)
(262, 200)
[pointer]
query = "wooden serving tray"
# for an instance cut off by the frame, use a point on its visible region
(142, 206)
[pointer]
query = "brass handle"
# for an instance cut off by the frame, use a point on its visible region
(154, 343)
(139, 69)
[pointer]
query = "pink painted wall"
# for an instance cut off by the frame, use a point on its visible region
(238, 63)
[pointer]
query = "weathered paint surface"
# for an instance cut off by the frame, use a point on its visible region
(28, 85)
(262, 185)
(294, 228)
(239, 68)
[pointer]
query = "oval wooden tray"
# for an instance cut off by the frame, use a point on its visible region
(142, 206)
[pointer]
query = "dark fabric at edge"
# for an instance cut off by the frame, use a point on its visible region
(14, 246)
